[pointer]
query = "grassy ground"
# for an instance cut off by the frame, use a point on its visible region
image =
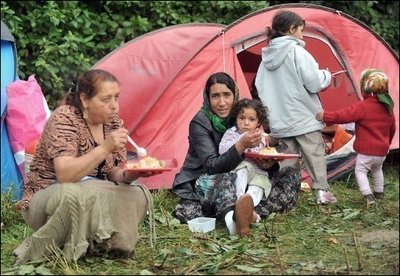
(345, 238)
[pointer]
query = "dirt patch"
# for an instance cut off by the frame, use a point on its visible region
(380, 235)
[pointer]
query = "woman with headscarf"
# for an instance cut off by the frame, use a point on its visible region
(375, 127)
(205, 183)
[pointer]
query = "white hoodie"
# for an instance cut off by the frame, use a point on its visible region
(288, 81)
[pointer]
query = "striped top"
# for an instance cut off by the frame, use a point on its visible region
(66, 134)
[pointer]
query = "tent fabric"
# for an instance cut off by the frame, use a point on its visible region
(359, 46)
(6, 35)
(146, 66)
(163, 73)
(24, 111)
(10, 56)
(7, 61)
(10, 175)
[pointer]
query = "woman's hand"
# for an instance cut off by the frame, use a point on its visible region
(116, 140)
(250, 140)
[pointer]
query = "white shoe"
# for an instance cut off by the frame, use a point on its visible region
(230, 224)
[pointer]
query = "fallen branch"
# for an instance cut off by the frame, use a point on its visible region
(347, 260)
(279, 259)
(360, 265)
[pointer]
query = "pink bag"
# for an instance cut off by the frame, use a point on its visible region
(26, 116)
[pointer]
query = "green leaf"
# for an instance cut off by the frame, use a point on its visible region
(320, 264)
(352, 215)
(376, 245)
(386, 222)
(146, 272)
(332, 231)
(26, 269)
(41, 270)
(246, 268)
(185, 251)
(257, 252)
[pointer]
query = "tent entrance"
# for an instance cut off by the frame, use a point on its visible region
(343, 91)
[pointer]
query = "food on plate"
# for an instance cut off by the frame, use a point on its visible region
(147, 163)
(268, 151)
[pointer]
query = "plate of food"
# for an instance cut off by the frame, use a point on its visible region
(270, 153)
(151, 164)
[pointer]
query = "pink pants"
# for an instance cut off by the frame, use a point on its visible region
(364, 164)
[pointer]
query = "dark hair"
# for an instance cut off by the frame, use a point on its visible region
(281, 23)
(223, 78)
(254, 104)
(88, 84)
(254, 91)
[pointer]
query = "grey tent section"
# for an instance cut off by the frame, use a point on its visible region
(5, 33)
(10, 174)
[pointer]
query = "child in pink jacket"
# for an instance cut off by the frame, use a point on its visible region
(374, 130)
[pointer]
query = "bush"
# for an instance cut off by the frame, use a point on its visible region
(57, 40)
(9, 214)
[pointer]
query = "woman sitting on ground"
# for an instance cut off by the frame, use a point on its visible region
(76, 197)
(205, 167)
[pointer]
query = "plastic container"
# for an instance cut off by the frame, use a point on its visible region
(201, 224)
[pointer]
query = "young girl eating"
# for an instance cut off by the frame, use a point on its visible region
(252, 182)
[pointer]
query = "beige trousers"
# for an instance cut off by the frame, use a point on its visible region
(312, 149)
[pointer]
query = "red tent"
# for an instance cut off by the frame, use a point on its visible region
(163, 73)
(156, 116)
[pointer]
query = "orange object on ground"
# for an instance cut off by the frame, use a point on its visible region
(340, 139)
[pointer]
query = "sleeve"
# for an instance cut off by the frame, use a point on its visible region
(392, 129)
(62, 136)
(314, 79)
(205, 144)
(350, 114)
(228, 140)
(118, 158)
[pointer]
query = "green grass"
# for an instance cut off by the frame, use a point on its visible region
(345, 238)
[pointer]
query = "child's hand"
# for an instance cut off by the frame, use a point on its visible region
(320, 116)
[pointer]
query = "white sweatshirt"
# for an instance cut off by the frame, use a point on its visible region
(288, 81)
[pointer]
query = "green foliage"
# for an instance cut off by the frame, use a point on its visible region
(58, 40)
(380, 16)
(9, 213)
